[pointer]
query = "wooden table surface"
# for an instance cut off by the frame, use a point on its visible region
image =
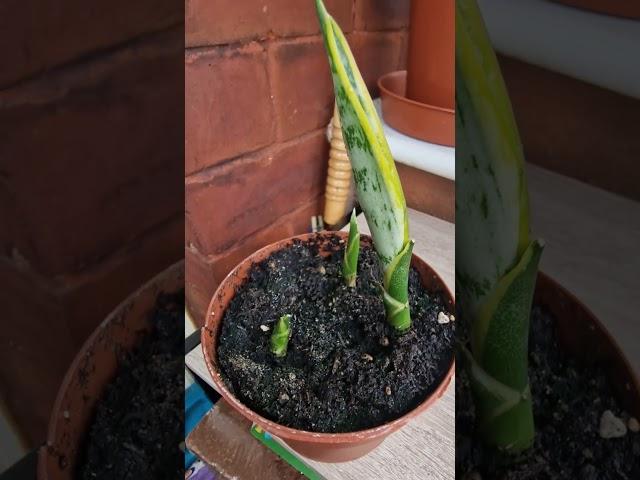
(425, 447)
(592, 248)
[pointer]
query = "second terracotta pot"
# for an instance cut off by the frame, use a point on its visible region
(430, 66)
(326, 447)
(425, 122)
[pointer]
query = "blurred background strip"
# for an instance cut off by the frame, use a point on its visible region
(90, 149)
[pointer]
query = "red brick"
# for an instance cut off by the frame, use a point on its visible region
(224, 21)
(39, 35)
(228, 108)
(227, 21)
(295, 18)
(301, 85)
(48, 320)
(10, 221)
(292, 223)
(90, 296)
(204, 275)
(373, 15)
(125, 167)
(404, 50)
(228, 203)
(376, 54)
(199, 285)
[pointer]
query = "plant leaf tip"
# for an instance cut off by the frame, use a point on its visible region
(280, 336)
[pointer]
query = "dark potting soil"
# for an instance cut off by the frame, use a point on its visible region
(139, 422)
(568, 402)
(345, 368)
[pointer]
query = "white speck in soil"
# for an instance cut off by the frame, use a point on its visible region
(384, 342)
(443, 318)
(367, 357)
(336, 364)
(452, 317)
(633, 425)
(283, 398)
(264, 328)
(387, 390)
(611, 426)
(66, 414)
(322, 270)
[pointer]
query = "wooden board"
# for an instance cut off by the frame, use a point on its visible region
(222, 438)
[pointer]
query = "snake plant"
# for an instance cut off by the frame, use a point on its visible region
(496, 259)
(351, 252)
(374, 172)
(280, 336)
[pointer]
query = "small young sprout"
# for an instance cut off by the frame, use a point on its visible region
(351, 252)
(280, 336)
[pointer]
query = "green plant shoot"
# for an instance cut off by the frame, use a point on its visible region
(376, 178)
(496, 261)
(350, 262)
(280, 336)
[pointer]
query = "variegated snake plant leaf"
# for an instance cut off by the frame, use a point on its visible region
(376, 178)
(496, 261)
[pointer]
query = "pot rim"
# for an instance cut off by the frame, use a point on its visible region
(391, 93)
(602, 331)
(207, 334)
(176, 268)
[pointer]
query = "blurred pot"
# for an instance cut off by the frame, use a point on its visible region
(92, 370)
(584, 338)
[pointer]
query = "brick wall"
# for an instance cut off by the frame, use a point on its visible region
(258, 98)
(90, 179)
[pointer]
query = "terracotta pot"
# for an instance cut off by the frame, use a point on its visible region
(326, 447)
(617, 8)
(583, 337)
(420, 101)
(431, 53)
(92, 369)
(425, 122)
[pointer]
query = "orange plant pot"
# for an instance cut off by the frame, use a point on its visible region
(419, 120)
(431, 62)
(420, 101)
(585, 339)
(325, 447)
(93, 368)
